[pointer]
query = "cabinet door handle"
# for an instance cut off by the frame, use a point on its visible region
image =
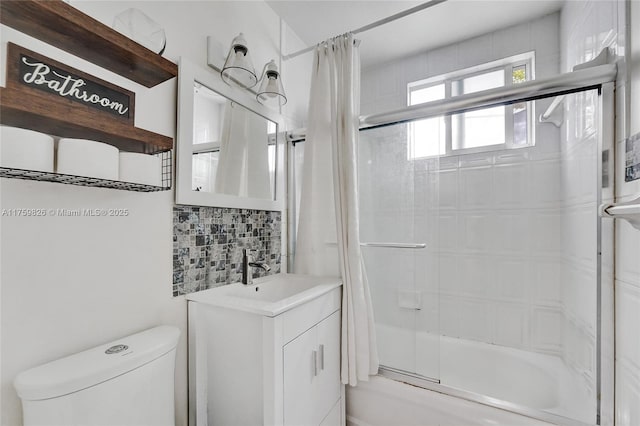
(314, 360)
(321, 356)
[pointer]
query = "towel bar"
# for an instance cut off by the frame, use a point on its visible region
(629, 211)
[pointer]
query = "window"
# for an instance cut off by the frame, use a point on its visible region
(427, 137)
(494, 128)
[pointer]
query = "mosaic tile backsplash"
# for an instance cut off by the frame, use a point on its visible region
(208, 243)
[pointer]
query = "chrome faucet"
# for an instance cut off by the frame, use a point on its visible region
(247, 264)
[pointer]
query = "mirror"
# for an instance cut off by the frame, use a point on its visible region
(234, 149)
(229, 150)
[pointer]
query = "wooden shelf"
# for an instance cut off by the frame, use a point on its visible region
(61, 25)
(30, 109)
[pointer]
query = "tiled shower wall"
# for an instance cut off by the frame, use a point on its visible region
(628, 257)
(587, 27)
(498, 214)
(492, 225)
(208, 244)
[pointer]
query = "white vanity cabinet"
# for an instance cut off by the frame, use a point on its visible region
(312, 373)
(260, 363)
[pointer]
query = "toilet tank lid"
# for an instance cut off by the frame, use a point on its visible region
(97, 365)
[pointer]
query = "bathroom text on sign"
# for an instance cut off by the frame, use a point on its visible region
(44, 74)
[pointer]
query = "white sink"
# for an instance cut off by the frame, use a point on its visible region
(268, 296)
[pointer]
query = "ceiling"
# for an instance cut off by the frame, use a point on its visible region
(445, 23)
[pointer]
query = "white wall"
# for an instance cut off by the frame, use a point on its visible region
(70, 283)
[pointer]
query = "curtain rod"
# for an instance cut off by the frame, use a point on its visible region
(375, 24)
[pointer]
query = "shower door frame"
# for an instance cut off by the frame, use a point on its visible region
(600, 78)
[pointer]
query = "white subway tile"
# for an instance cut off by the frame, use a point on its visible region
(448, 232)
(476, 187)
(448, 182)
(545, 178)
(449, 267)
(479, 232)
(513, 280)
(545, 34)
(547, 328)
(512, 185)
(621, 117)
(547, 66)
(450, 316)
(546, 229)
(628, 324)
(475, 51)
(475, 320)
(606, 20)
(389, 81)
(477, 275)
(512, 41)
(511, 325)
(628, 253)
(513, 232)
(414, 68)
(442, 60)
(546, 284)
(587, 238)
(627, 396)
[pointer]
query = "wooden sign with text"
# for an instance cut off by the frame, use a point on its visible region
(28, 68)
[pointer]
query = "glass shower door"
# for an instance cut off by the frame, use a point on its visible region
(485, 263)
(397, 195)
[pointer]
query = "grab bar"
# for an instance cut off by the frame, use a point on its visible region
(395, 245)
(629, 211)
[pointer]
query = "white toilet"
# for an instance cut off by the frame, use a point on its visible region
(128, 382)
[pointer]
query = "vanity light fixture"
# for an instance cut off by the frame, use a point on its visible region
(238, 69)
(271, 92)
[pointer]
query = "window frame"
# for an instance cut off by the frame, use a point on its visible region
(450, 79)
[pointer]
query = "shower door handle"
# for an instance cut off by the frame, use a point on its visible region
(628, 211)
(396, 245)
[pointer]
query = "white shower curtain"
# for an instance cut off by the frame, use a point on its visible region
(328, 237)
(243, 165)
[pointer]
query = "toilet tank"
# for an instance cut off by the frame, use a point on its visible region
(128, 382)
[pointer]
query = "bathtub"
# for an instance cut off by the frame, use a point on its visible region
(505, 380)
(385, 402)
